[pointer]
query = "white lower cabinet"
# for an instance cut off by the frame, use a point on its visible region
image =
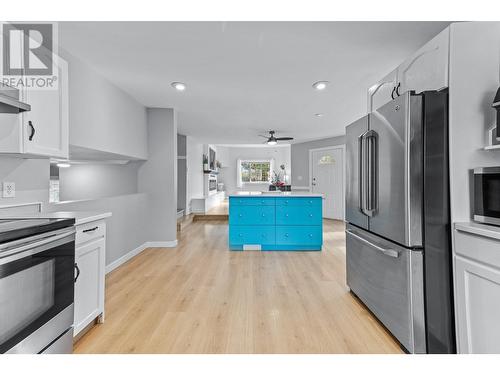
(477, 288)
(478, 303)
(90, 274)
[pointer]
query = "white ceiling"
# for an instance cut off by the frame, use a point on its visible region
(248, 77)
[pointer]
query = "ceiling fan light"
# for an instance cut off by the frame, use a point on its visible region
(179, 86)
(320, 85)
(272, 142)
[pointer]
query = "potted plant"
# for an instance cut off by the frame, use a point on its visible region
(205, 162)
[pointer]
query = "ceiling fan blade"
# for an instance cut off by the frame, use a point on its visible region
(284, 138)
(263, 136)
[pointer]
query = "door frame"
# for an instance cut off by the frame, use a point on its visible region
(337, 147)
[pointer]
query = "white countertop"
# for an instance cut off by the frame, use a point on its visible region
(81, 217)
(485, 230)
(262, 194)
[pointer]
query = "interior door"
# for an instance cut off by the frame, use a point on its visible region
(396, 170)
(328, 179)
(353, 173)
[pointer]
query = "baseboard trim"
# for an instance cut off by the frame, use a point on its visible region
(124, 258)
(161, 244)
(139, 249)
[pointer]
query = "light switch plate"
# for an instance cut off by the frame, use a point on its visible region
(9, 190)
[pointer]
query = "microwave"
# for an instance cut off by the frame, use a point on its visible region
(487, 195)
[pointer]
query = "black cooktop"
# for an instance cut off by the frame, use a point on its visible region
(16, 228)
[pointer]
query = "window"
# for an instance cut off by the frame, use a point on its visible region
(253, 171)
(326, 159)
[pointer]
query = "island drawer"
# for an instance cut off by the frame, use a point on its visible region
(252, 235)
(299, 235)
(254, 201)
(251, 215)
(299, 201)
(298, 215)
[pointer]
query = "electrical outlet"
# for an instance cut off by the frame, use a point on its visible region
(9, 190)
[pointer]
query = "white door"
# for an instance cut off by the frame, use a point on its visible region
(327, 178)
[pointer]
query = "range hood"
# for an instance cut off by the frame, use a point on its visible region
(9, 100)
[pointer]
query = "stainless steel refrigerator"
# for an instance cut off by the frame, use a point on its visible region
(398, 236)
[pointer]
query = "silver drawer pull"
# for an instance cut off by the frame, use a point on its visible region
(389, 252)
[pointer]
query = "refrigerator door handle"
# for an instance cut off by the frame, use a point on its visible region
(371, 191)
(363, 167)
(389, 252)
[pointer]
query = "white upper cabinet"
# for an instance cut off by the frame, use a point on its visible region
(426, 69)
(45, 127)
(383, 91)
(43, 130)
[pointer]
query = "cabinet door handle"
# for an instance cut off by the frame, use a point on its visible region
(77, 272)
(90, 230)
(393, 91)
(397, 89)
(30, 124)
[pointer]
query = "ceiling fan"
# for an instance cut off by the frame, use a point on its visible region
(272, 140)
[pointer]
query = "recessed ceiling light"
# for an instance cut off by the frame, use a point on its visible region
(318, 114)
(179, 86)
(320, 85)
(63, 165)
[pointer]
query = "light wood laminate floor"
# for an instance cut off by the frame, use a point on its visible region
(202, 298)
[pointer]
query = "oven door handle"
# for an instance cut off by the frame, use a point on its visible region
(77, 271)
(35, 247)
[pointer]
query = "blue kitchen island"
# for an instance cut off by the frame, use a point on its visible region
(284, 221)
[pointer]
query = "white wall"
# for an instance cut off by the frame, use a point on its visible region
(231, 154)
(102, 116)
(194, 169)
(474, 79)
(158, 175)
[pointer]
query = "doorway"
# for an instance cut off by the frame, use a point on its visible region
(327, 177)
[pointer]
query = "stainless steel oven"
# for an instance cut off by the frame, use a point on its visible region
(487, 195)
(37, 275)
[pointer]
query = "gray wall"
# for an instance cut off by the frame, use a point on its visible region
(182, 172)
(125, 230)
(95, 181)
(31, 177)
(158, 175)
(194, 170)
(300, 157)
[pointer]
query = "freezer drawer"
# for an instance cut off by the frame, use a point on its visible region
(389, 280)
